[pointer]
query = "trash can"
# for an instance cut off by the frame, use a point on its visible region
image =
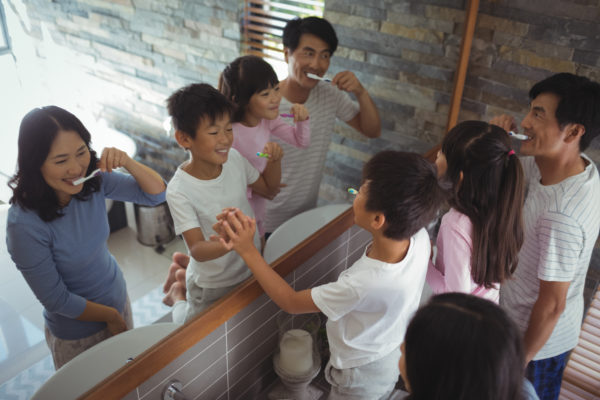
(154, 224)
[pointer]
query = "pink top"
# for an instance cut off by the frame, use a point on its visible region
(250, 140)
(452, 269)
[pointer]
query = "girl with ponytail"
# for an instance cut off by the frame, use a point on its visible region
(480, 237)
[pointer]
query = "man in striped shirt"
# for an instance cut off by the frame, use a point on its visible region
(309, 44)
(561, 220)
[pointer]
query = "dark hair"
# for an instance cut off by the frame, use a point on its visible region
(244, 77)
(191, 104)
(37, 132)
(404, 186)
(579, 102)
(491, 194)
(459, 346)
(319, 27)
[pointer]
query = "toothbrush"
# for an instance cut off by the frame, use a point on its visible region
(287, 115)
(90, 176)
(317, 77)
(518, 135)
(262, 155)
(352, 191)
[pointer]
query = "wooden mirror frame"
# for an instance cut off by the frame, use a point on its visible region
(151, 361)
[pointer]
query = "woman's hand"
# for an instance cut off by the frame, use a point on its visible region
(113, 158)
(116, 324)
(300, 112)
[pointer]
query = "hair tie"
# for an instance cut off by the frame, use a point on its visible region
(511, 152)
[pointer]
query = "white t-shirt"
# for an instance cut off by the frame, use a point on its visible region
(561, 224)
(369, 306)
(195, 203)
(302, 169)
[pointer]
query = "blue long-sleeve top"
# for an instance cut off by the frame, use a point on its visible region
(66, 261)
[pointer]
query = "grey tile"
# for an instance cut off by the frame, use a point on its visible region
(329, 276)
(249, 309)
(322, 276)
(193, 361)
(256, 358)
(359, 239)
(324, 252)
(354, 256)
(133, 395)
(252, 386)
(211, 383)
(331, 260)
(241, 331)
(247, 341)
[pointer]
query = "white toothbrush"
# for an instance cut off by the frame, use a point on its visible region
(317, 77)
(518, 135)
(90, 176)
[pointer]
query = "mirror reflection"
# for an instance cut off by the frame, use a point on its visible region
(302, 98)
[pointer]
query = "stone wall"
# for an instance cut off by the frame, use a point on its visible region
(121, 59)
(405, 54)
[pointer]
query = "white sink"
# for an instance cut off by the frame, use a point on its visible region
(298, 228)
(97, 363)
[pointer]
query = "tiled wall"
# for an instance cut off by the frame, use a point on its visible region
(235, 360)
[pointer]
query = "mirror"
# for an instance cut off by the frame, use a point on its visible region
(66, 61)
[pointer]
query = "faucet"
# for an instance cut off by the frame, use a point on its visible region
(172, 391)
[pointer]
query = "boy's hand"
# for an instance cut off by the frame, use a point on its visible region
(239, 229)
(300, 112)
(274, 151)
(113, 158)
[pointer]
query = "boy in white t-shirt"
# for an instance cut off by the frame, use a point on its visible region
(369, 306)
(214, 178)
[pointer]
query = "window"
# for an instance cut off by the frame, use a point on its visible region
(4, 39)
(263, 23)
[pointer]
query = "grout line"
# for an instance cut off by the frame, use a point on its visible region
(184, 365)
(318, 263)
(257, 363)
(227, 357)
(252, 313)
(257, 328)
(212, 384)
(257, 381)
(242, 359)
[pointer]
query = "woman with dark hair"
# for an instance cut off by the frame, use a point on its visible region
(56, 230)
(479, 238)
(462, 347)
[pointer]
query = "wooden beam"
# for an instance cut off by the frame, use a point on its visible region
(463, 63)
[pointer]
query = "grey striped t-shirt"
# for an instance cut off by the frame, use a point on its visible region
(561, 224)
(302, 169)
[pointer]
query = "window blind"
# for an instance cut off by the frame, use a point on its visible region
(264, 20)
(581, 379)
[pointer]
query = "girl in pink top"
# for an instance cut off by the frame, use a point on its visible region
(252, 85)
(479, 238)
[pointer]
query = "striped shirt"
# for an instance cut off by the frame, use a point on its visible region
(561, 224)
(302, 168)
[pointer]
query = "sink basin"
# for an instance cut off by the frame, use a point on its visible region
(298, 228)
(95, 364)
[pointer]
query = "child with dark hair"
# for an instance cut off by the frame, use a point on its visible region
(371, 302)
(460, 346)
(480, 237)
(251, 84)
(215, 177)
